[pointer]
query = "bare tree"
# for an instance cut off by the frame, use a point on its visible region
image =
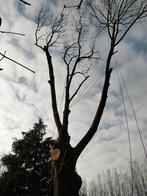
(116, 17)
(117, 182)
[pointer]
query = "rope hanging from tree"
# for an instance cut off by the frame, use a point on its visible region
(128, 131)
(122, 84)
(132, 107)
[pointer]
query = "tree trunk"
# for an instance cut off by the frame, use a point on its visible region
(66, 181)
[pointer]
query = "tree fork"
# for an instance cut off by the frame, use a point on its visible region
(117, 19)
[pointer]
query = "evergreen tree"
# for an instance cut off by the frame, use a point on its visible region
(27, 167)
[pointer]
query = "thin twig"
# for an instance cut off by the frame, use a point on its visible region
(3, 56)
(77, 90)
(74, 6)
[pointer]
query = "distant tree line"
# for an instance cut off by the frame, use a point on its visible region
(118, 182)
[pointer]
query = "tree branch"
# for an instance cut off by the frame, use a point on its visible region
(66, 105)
(48, 39)
(92, 130)
(128, 12)
(4, 56)
(12, 33)
(53, 32)
(77, 90)
(80, 3)
(70, 76)
(130, 26)
(73, 56)
(26, 3)
(53, 91)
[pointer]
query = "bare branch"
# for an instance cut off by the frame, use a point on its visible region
(53, 32)
(119, 16)
(67, 57)
(131, 24)
(26, 3)
(53, 91)
(103, 23)
(79, 87)
(93, 128)
(41, 22)
(70, 76)
(50, 33)
(12, 33)
(4, 56)
(73, 56)
(79, 6)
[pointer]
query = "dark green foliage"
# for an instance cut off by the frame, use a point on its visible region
(27, 167)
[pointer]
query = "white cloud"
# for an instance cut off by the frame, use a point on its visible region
(25, 96)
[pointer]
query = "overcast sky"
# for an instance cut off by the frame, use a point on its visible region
(24, 96)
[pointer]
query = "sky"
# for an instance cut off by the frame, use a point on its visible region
(25, 97)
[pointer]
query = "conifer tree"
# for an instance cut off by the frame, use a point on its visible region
(27, 167)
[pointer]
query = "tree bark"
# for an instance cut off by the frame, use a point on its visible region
(117, 19)
(66, 181)
(53, 90)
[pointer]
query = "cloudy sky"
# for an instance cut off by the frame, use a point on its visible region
(24, 96)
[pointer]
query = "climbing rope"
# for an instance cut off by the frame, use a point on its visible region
(128, 131)
(133, 110)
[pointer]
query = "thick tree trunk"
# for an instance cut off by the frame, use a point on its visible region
(66, 181)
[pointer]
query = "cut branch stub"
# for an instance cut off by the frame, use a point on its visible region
(55, 154)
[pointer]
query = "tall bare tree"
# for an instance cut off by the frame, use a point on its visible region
(115, 17)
